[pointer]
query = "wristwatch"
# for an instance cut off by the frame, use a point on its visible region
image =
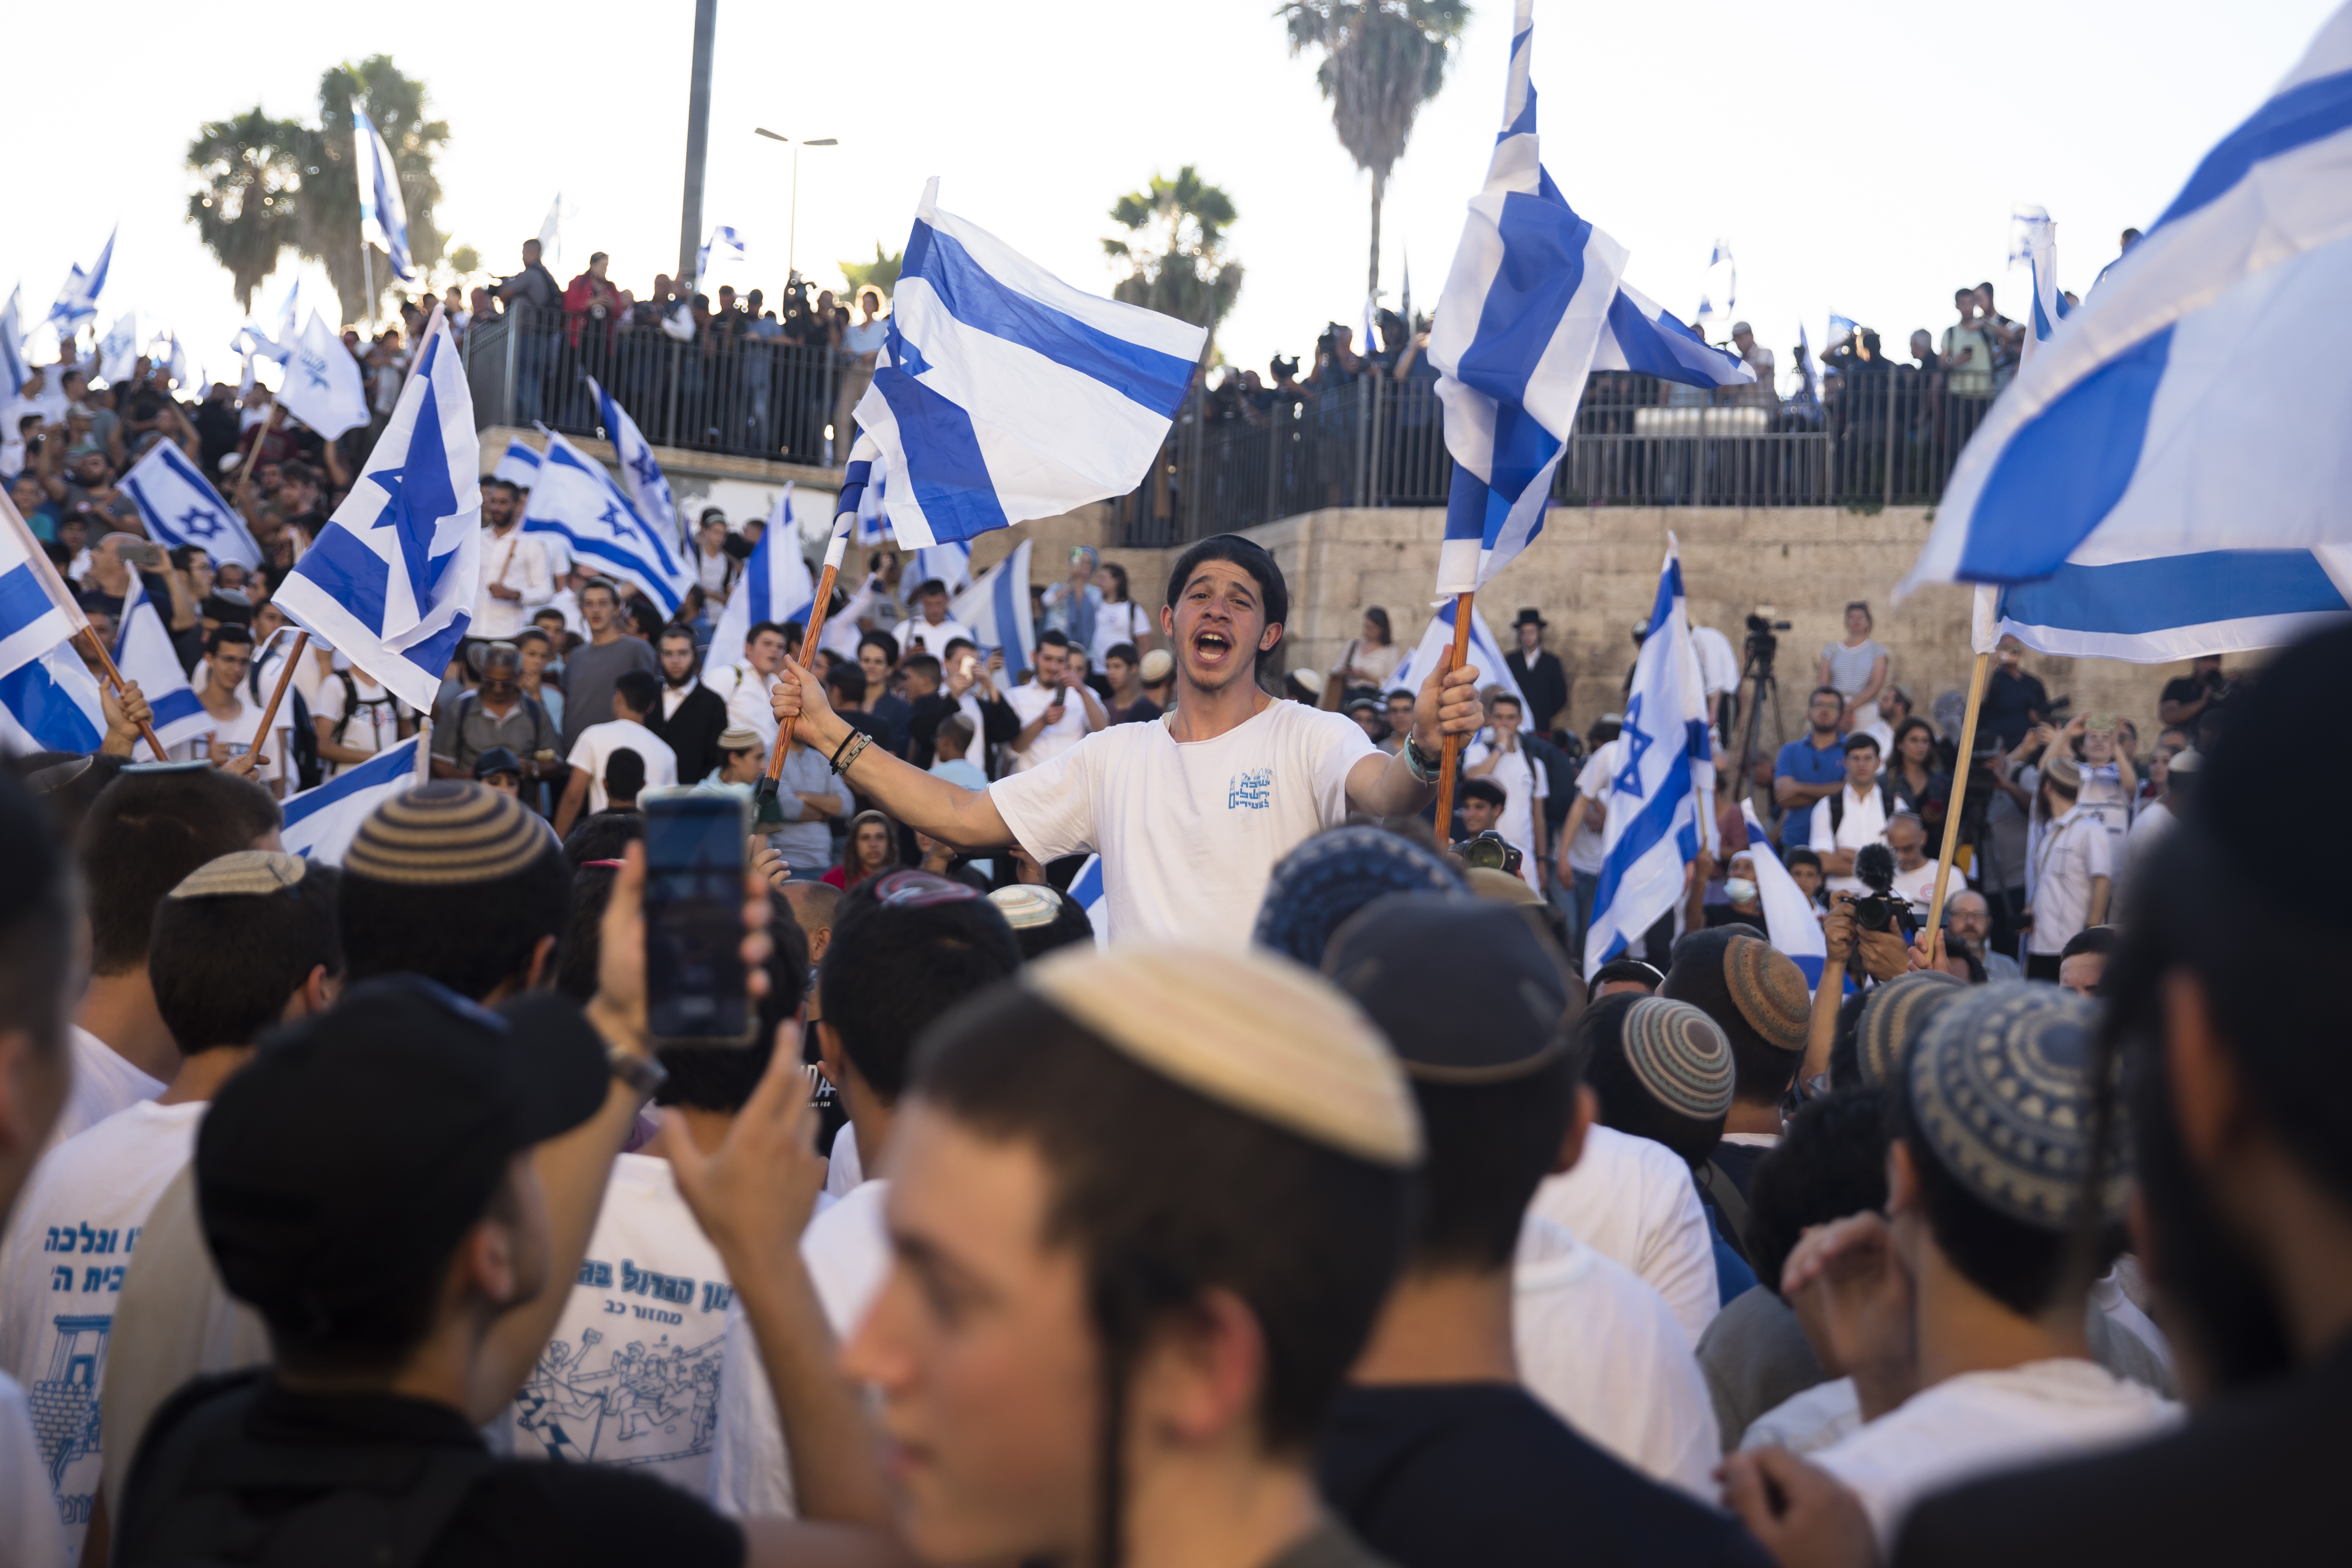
(643, 1074)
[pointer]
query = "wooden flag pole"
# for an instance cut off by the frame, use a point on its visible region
(92, 641)
(253, 458)
(277, 692)
(1963, 766)
(1450, 746)
(832, 557)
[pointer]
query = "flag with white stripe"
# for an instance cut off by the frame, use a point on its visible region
(1484, 655)
(2154, 485)
(77, 302)
(2049, 306)
(1516, 329)
(143, 652)
(775, 586)
(321, 823)
(180, 506)
(641, 475)
(1086, 893)
(519, 464)
(996, 608)
(16, 370)
(1661, 799)
(383, 216)
(50, 704)
(392, 580)
(950, 563)
(1789, 916)
(1643, 335)
(36, 612)
(578, 501)
(118, 352)
(323, 387)
(1002, 393)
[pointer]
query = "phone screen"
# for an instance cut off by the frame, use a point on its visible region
(697, 990)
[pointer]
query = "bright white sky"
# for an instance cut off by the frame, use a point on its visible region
(1861, 157)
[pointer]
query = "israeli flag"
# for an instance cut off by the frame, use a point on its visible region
(36, 613)
(1661, 799)
(1842, 329)
(143, 652)
(775, 586)
(1719, 265)
(1086, 893)
(49, 703)
(1516, 329)
(725, 246)
(1808, 393)
(16, 370)
(996, 608)
(1002, 394)
(77, 302)
(2050, 306)
(180, 506)
(321, 823)
(323, 387)
(1643, 335)
(1791, 918)
(640, 475)
(2146, 488)
(118, 352)
(383, 216)
(519, 464)
(577, 499)
(390, 582)
(175, 363)
(1484, 656)
(950, 563)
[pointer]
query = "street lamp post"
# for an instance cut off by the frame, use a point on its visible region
(793, 244)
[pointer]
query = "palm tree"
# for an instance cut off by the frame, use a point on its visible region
(329, 208)
(1382, 59)
(245, 211)
(1176, 250)
(882, 272)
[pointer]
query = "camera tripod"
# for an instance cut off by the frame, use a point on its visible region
(1757, 677)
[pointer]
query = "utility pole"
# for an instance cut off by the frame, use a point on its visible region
(697, 138)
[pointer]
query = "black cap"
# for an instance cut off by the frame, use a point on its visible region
(358, 1146)
(1504, 1009)
(497, 760)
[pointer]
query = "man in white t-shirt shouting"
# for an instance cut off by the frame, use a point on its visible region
(1190, 813)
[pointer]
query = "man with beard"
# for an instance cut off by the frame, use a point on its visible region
(1190, 813)
(691, 717)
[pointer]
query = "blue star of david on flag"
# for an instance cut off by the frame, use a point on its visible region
(577, 497)
(178, 506)
(641, 474)
(1638, 742)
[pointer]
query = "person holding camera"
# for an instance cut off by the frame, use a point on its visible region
(1050, 723)
(1498, 755)
(1856, 814)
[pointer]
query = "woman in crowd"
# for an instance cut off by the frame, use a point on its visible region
(873, 848)
(1118, 618)
(1371, 657)
(1858, 666)
(1917, 780)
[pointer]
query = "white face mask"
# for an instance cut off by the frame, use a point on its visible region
(1739, 890)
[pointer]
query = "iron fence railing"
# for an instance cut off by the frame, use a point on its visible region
(1876, 435)
(742, 397)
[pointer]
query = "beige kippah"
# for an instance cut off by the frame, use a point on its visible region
(447, 832)
(1254, 1032)
(242, 871)
(1025, 906)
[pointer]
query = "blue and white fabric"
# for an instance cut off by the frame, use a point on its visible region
(2155, 483)
(519, 464)
(383, 216)
(996, 608)
(16, 370)
(143, 652)
(180, 506)
(321, 823)
(2049, 305)
(641, 475)
(950, 563)
(323, 386)
(775, 586)
(1086, 893)
(77, 302)
(1659, 802)
(872, 511)
(1002, 393)
(36, 612)
(1521, 318)
(1484, 655)
(723, 248)
(176, 365)
(1643, 335)
(1841, 330)
(50, 703)
(1789, 917)
(578, 501)
(118, 352)
(392, 580)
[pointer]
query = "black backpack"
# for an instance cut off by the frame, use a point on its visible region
(1885, 803)
(204, 1491)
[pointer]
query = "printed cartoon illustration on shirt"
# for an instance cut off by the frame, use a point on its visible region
(65, 1411)
(647, 1402)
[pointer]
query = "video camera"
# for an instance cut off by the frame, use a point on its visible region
(1761, 643)
(1874, 865)
(1489, 850)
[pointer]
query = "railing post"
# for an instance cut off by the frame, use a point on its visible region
(825, 418)
(1277, 437)
(507, 374)
(670, 400)
(1373, 489)
(1889, 498)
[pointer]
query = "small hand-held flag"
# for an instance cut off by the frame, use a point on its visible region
(323, 387)
(641, 475)
(996, 608)
(383, 216)
(774, 587)
(577, 498)
(178, 506)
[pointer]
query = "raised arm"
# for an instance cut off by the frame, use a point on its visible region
(966, 818)
(1448, 704)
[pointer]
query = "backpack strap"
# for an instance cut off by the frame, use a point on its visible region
(350, 703)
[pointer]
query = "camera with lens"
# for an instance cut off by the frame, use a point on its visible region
(1489, 851)
(1761, 643)
(1883, 908)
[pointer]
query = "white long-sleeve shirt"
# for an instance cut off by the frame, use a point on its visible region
(513, 560)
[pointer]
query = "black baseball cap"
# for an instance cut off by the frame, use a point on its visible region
(497, 760)
(358, 1146)
(1507, 1007)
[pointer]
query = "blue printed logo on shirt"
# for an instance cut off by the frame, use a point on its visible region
(1252, 791)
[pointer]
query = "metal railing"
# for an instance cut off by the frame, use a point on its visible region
(745, 398)
(1877, 435)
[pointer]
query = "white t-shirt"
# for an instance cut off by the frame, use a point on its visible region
(918, 636)
(1718, 667)
(847, 1252)
(375, 726)
(104, 1081)
(1030, 700)
(1863, 822)
(1189, 833)
(1125, 622)
(631, 1374)
(1982, 1422)
(1808, 1422)
(2149, 825)
(1523, 784)
(745, 692)
(2075, 848)
(35, 1536)
(1587, 853)
(597, 743)
(1632, 1199)
(239, 732)
(843, 1168)
(1604, 1351)
(1919, 885)
(61, 1267)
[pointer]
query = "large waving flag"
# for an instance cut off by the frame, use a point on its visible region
(1790, 918)
(143, 652)
(180, 506)
(1643, 335)
(1661, 801)
(36, 613)
(996, 608)
(577, 499)
(77, 302)
(640, 475)
(2158, 481)
(775, 586)
(950, 563)
(1484, 656)
(383, 216)
(50, 704)
(1002, 393)
(390, 582)
(321, 823)
(323, 387)
(1516, 329)
(723, 248)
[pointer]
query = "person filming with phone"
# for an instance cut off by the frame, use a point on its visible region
(1051, 722)
(1190, 812)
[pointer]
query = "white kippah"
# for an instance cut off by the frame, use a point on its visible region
(242, 871)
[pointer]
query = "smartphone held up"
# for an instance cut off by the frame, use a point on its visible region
(698, 987)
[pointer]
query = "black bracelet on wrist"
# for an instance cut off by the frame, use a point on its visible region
(835, 761)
